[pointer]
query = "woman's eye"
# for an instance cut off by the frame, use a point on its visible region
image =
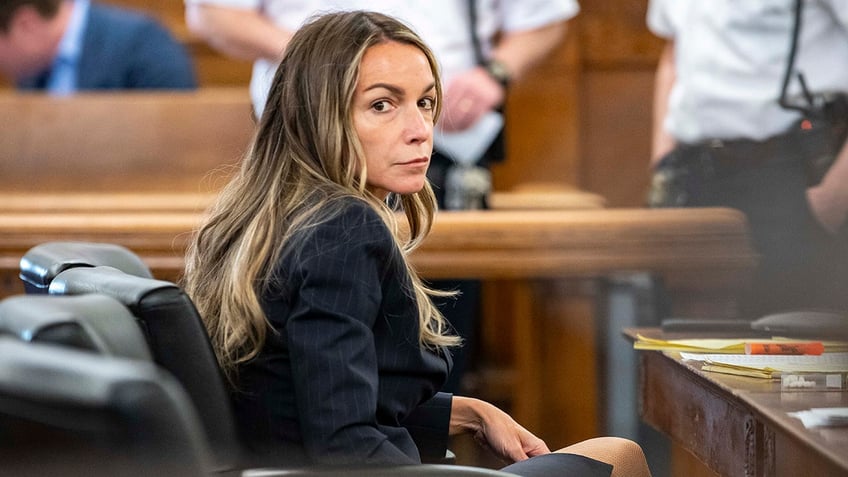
(426, 103)
(380, 106)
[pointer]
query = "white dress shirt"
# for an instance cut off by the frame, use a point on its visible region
(730, 58)
(442, 24)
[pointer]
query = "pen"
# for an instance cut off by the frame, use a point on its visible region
(806, 347)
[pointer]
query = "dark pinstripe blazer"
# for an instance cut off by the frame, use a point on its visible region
(344, 379)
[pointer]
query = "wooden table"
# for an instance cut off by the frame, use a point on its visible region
(739, 426)
(702, 253)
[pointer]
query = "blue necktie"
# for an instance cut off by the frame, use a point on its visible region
(61, 77)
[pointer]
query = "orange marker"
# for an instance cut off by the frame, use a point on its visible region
(789, 347)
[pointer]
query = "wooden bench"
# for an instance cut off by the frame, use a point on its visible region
(127, 142)
(702, 253)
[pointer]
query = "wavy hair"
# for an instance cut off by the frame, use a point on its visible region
(304, 155)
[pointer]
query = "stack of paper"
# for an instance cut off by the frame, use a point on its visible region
(716, 346)
(770, 366)
(728, 356)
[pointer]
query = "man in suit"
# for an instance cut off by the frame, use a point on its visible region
(63, 46)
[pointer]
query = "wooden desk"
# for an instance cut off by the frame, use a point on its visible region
(538, 251)
(738, 426)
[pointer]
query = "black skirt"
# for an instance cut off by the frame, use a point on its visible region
(558, 464)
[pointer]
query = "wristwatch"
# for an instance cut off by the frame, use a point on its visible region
(497, 70)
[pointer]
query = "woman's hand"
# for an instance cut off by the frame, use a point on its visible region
(494, 429)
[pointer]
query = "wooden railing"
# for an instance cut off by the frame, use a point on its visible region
(707, 246)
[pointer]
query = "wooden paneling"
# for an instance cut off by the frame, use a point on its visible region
(615, 131)
(542, 125)
(619, 57)
(583, 116)
(122, 142)
(613, 35)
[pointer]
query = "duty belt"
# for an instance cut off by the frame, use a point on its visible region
(720, 158)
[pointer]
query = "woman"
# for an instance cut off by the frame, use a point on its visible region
(329, 338)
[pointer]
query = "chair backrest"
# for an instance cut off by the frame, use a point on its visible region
(177, 340)
(90, 322)
(44, 261)
(70, 412)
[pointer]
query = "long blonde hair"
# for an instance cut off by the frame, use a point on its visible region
(304, 155)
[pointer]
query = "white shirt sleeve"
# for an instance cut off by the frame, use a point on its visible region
(244, 4)
(530, 14)
(660, 18)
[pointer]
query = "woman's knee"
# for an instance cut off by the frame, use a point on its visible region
(626, 456)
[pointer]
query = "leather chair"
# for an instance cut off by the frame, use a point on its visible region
(177, 340)
(70, 412)
(179, 343)
(96, 323)
(44, 261)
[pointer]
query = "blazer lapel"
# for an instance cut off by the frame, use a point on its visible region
(90, 64)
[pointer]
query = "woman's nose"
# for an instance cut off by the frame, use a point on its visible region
(419, 125)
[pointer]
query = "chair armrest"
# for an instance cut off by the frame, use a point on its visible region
(422, 470)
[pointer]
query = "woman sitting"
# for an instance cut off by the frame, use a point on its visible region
(330, 340)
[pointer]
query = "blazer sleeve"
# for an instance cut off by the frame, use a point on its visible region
(330, 338)
(429, 425)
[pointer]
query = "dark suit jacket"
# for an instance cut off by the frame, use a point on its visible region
(344, 378)
(122, 49)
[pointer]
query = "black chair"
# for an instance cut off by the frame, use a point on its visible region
(95, 323)
(74, 413)
(177, 340)
(179, 343)
(44, 261)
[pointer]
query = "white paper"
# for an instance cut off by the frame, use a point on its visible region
(468, 146)
(826, 362)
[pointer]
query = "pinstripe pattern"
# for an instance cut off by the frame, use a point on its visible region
(344, 379)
